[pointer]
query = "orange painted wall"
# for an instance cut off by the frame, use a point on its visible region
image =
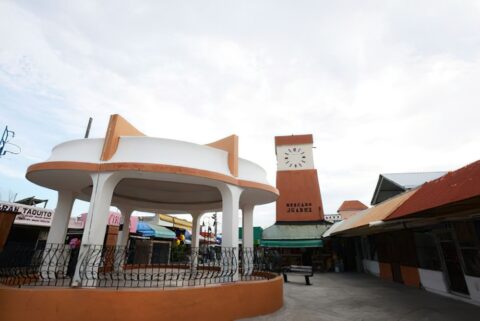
(299, 187)
(6, 222)
(212, 303)
(230, 145)
(293, 140)
(410, 276)
(386, 271)
(117, 127)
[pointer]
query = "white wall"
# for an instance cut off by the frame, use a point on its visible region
(372, 267)
(78, 150)
(158, 151)
(432, 280)
(171, 152)
(306, 149)
(250, 171)
(473, 284)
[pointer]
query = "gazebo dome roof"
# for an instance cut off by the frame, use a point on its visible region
(153, 173)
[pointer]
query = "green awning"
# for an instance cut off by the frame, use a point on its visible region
(162, 232)
(257, 234)
(291, 243)
(295, 231)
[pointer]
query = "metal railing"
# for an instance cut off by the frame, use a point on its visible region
(133, 267)
(52, 265)
(141, 267)
(258, 263)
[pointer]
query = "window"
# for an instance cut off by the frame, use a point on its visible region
(369, 248)
(469, 244)
(427, 253)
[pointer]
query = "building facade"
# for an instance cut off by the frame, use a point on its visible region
(300, 222)
(427, 237)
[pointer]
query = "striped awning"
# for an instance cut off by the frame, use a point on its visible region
(149, 229)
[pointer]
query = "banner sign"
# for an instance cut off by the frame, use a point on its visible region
(28, 215)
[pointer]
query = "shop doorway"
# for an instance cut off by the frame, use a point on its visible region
(452, 264)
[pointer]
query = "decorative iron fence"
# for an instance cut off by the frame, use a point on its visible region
(141, 267)
(52, 265)
(136, 266)
(256, 262)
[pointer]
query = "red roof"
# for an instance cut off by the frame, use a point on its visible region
(453, 187)
(293, 140)
(352, 206)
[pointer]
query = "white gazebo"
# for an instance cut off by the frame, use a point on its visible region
(132, 171)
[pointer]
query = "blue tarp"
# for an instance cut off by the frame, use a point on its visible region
(149, 229)
(145, 229)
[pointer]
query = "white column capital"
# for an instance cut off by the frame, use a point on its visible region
(126, 209)
(197, 214)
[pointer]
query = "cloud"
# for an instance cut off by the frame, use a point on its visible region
(8, 171)
(383, 87)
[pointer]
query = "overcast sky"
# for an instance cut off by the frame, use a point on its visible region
(382, 86)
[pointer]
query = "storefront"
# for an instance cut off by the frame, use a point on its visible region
(29, 227)
(299, 244)
(428, 237)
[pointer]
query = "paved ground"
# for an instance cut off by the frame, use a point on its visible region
(354, 296)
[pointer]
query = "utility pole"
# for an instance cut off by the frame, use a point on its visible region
(87, 132)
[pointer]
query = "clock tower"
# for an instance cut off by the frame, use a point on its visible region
(297, 180)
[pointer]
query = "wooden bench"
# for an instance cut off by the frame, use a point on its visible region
(306, 271)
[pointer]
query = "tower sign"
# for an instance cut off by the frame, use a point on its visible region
(297, 180)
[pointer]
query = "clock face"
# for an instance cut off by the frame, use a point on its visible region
(294, 157)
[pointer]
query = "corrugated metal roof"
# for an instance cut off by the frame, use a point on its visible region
(391, 184)
(294, 232)
(373, 214)
(332, 229)
(456, 186)
(412, 180)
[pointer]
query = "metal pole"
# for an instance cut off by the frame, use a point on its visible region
(88, 127)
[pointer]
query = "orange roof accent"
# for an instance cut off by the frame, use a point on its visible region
(117, 126)
(147, 167)
(293, 140)
(456, 186)
(353, 205)
(230, 145)
(376, 213)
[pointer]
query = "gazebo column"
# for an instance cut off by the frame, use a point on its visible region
(121, 250)
(247, 217)
(196, 218)
(230, 205)
(56, 254)
(247, 242)
(96, 225)
(124, 234)
(58, 229)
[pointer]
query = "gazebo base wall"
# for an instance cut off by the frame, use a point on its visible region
(218, 302)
